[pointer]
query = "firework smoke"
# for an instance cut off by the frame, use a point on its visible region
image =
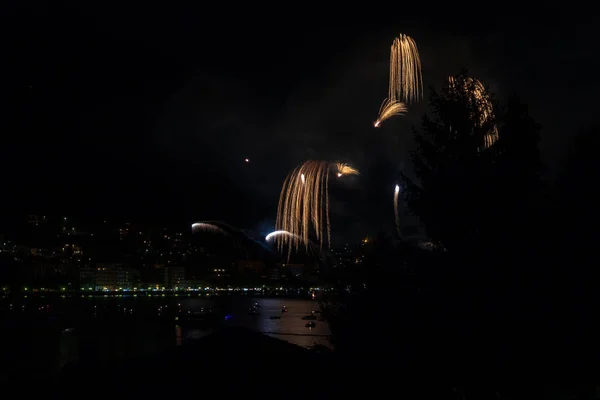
(239, 237)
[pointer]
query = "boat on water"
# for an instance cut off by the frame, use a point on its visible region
(311, 324)
(284, 309)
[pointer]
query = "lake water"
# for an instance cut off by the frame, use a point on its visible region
(41, 335)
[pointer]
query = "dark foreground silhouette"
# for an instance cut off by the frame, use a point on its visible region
(231, 361)
(240, 362)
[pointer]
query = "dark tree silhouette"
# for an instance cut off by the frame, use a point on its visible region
(518, 198)
(474, 200)
(507, 287)
(478, 199)
(575, 270)
(452, 193)
(579, 196)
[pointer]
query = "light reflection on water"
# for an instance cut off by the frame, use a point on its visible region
(178, 339)
(134, 328)
(291, 327)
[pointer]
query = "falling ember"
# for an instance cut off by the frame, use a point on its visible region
(478, 97)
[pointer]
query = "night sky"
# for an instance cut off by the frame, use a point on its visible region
(151, 113)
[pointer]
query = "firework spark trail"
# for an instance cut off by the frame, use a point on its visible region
(304, 202)
(396, 215)
(209, 228)
(478, 97)
(406, 80)
(345, 169)
(222, 228)
(389, 108)
(275, 235)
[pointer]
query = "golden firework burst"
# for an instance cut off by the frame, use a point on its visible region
(345, 169)
(304, 203)
(388, 109)
(406, 80)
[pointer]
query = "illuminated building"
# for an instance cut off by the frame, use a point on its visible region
(115, 276)
(245, 266)
(36, 219)
(174, 277)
